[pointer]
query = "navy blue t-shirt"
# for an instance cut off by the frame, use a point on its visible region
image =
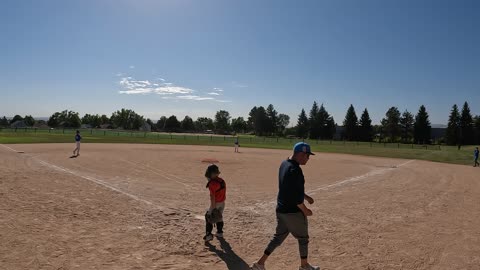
(78, 138)
(291, 187)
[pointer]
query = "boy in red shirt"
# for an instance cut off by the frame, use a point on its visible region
(218, 190)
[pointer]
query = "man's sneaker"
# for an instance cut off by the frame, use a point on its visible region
(309, 267)
(219, 235)
(208, 237)
(257, 266)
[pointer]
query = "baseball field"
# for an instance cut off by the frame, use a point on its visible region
(141, 206)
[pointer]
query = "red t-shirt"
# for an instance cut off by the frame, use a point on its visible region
(218, 188)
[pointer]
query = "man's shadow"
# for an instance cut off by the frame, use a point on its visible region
(231, 259)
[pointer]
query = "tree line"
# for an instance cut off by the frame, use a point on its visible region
(262, 121)
(395, 126)
(318, 125)
(462, 128)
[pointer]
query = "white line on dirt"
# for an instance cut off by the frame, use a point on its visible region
(9, 148)
(97, 181)
(357, 178)
(89, 178)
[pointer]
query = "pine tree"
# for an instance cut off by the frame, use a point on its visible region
(326, 123)
(314, 130)
(406, 123)
(466, 126)
(422, 129)
(366, 128)
(391, 124)
(302, 125)
(351, 124)
(330, 128)
(259, 121)
(453, 128)
(477, 129)
(272, 120)
(252, 118)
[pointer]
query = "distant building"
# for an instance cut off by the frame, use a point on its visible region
(41, 124)
(18, 124)
(106, 126)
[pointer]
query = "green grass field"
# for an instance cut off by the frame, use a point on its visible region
(436, 153)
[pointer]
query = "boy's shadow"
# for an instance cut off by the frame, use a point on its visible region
(233, 261)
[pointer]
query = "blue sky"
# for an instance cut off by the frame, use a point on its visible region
(195, 57)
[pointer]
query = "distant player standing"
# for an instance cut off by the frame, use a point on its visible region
(237, 145)
(291, 211)
(475, 156)
(78, 138)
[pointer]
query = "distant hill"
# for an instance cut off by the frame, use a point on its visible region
(439, 126)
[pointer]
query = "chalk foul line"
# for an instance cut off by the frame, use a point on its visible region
(357, 178)
(89, 178)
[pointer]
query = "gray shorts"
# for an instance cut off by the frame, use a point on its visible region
(290, 223)
(221, 207)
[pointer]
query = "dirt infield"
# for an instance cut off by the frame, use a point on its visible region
(140, 207)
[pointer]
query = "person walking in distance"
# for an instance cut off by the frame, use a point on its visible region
(475, 157)
(291, 211)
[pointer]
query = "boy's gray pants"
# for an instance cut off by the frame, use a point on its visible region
(297, 225)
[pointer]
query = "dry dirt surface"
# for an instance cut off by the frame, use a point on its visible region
(141, 207)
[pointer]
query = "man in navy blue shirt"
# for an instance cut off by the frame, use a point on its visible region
(78, 138)
(291, 210)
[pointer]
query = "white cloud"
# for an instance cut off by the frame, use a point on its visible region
(131, 67)
(136, 91)
(190, 97)
(144, 82)
(132, 86)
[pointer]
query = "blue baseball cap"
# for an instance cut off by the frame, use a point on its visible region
(302, 147)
